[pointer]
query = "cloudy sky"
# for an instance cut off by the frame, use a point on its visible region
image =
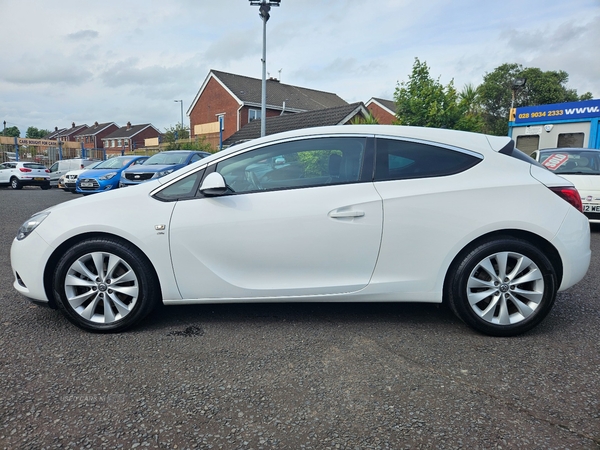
(82, 61)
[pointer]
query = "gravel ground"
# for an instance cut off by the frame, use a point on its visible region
(294, 376)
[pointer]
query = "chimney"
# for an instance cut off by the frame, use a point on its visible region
(96, 123)
(73, 125)
(55, 128)
(129, 125)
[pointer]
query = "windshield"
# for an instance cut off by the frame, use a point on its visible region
(114, 163)
(569, 161)
(166, 159)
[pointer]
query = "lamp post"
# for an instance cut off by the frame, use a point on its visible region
(264, 8)
(181, 101)
(517, 83)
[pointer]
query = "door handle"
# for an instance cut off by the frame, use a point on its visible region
(345, 214)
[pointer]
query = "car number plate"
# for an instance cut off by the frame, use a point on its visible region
(87, 184)
(39, 179)
(591, 208)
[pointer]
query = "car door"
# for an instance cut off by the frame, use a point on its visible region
(308, 225)
(5, 172)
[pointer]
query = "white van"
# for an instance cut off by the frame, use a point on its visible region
(59, 168)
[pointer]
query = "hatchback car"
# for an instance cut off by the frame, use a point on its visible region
(106, 175)
(581, 166)
(349, 213)
(17, 174)
(70, 178)
(159, 165)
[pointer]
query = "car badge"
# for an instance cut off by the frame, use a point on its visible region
(548, 128)
(136, 176)
(588, 198)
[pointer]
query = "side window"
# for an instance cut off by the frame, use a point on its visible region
(54, 167)
(399, 160)
(295, 164)
(195, 157)
(183, 189)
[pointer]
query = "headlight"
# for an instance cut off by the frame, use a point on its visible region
(108, 176)
(31, 225)
(163, 173)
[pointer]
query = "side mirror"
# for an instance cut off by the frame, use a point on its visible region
(213, 185)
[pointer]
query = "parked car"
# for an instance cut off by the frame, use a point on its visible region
(60, 168)
(159, 165)
(360, 213)
(106, 175)
(70, 178)
(17, 174)
(581, 166)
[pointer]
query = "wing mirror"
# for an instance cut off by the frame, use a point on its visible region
(213, 185)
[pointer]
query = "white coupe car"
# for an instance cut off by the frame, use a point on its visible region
(333, 214)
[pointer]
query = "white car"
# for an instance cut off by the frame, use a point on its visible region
(17, 174)
(359, 213)
(70, 180)
(581, 166)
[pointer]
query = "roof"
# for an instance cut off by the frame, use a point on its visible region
(95, 129)
(323, 117)
(75, 129)
(54, 134)
(390, 105)
(248, 91)
(129, 131)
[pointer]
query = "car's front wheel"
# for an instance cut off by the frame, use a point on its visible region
(502, 287)
(105, 285)
(15, 183)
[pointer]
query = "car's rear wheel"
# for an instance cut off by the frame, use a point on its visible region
(104, 285)
(45, 187)
(15, 183)
(502, 287)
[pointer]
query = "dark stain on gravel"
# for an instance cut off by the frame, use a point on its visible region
(188, 332)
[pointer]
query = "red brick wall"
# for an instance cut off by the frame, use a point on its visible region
(215, 100)
(382, 115)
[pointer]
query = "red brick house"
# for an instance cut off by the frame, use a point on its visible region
(91, 137)
(383, 110)
(237, 99)
(129, 138)
(340, 115)
(68, 134)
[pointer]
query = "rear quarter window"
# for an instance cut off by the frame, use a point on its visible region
(399, 160)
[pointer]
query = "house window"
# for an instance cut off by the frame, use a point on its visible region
(126, 142)
(253, 114)
(112, 143)
(120, 143)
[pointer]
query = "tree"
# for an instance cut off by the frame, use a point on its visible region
(470, 106)
(12, 132)
(370, 119)
(423, 101)
(34, 133)
(541, 88)
(175, 133)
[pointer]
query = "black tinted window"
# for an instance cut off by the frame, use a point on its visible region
(398, 160)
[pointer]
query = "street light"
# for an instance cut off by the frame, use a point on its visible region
(517, 83)
(180, 101)
(264, 8)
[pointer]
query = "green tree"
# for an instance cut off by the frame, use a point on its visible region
(369, 120)
(34, 133)
(496, 93)
(176, 133)
(12, 132)
(423, 101)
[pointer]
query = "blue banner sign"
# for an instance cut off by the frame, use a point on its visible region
(558, 112)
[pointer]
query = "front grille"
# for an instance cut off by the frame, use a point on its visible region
(93, 184)
(138, 176)
(71, 177)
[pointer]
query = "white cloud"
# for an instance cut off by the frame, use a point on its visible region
(126, 60)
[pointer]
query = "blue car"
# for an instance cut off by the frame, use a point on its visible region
(106, 175)
(159, 165)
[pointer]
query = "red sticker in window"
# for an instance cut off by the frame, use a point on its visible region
(555, 160)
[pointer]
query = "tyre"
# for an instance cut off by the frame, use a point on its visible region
(45, 187)
(15, 183)
(502, 287)
(103, 285)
